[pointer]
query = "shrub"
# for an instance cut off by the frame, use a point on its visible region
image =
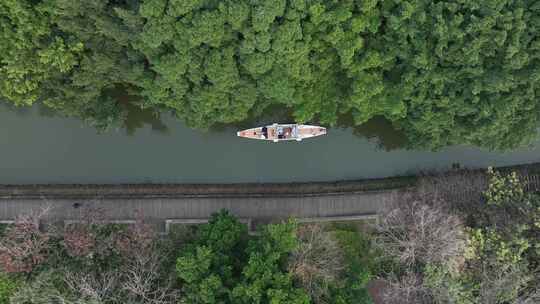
(8, 286)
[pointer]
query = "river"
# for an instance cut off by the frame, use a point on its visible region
(40, 148)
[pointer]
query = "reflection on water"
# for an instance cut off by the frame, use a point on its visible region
(381, 131)
(138, 118)
(135, 116)
(271, 114)
(377, 130)
(11, 108)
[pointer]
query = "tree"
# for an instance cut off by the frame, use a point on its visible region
(317, 262)
(425, 239)
(115, 264)
(463, 69)
(32, 52)
(503, 253)
(201, 284)
(221, 267)
(108, 67)
(210, 268)
(417, 233)
(499, 261)
(24, 246)
(70, 55)
(219, 63)
(407, 289)
(362, 262)
(460, 192)
(80, 239)
(264, 277)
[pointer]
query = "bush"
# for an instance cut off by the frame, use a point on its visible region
(8, 286)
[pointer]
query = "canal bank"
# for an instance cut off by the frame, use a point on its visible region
(529, 172)
(160, 211)
(165, 205)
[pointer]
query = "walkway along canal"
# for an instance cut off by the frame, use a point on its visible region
(169, 204)
(166, 204)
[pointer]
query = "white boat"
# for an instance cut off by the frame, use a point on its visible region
(282, 132)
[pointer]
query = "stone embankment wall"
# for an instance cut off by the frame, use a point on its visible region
(126, 191)
(530, 173)
(166, 204)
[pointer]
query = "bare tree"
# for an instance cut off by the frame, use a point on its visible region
(143, 283)
(97, 288)
(317, 261)
(142, 277)
(24, 245)
(407, 289)
(414, 231)
(139, 277)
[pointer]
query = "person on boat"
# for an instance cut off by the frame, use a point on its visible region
(264, 132)
(280, 132)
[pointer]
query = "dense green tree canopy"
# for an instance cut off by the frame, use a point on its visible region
(445, 72)
(222, 267)
(32, 51)
(469, 70)
(107, 61)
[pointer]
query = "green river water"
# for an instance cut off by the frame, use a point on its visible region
(37, 147)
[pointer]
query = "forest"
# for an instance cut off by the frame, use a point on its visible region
(432, 246)
(443, 72)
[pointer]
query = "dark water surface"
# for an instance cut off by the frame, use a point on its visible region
(36, 147)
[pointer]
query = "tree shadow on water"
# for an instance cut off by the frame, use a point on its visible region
(269, 115)
(378, 130)
(20, 111)
(137, 118)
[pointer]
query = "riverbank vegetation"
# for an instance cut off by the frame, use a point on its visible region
(432, 246)
(443, 72)
(464, 240)
(219, 262)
